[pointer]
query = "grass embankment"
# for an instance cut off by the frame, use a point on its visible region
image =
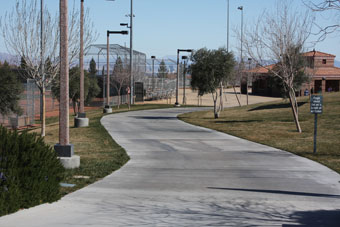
(272, 124)
(99, 154)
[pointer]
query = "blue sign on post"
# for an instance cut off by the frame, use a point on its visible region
(316, 108)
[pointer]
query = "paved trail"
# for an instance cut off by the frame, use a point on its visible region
(183, 175)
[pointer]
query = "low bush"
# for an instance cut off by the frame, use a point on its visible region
(30, 172)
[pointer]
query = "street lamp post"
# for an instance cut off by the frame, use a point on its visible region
(241, 8)
(131, 54)
(107, 108)
(153, 71)
(81, 120)
(227, 25)
(42, 66)
(177, 78)
(241, 60)
(132, 90)
(64, 149)
(249, 61)
(184, 58)
(81, 60)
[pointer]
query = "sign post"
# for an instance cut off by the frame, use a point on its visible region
(316, 108)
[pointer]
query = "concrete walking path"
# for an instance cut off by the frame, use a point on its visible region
(183, 175)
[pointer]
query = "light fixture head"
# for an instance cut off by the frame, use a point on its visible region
(240, 7)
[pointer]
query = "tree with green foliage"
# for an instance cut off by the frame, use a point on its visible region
(10, 90)
(208, 69)
(91, 88)
(94, 88)
(162, 70)
(93, 67)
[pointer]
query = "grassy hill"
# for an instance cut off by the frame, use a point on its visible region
(272, 124)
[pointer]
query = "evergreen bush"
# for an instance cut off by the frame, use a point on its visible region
(30, 172)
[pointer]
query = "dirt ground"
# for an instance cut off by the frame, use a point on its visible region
(229, 100)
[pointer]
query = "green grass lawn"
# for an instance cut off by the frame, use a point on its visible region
(272, 124)
(99, 154)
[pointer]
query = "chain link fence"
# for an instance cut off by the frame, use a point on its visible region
(30, 105)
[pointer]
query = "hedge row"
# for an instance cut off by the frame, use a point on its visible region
(30, 172)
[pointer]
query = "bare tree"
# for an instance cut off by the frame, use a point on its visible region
(279, 37)
(21, 29)
(121, 77)
(322, 6)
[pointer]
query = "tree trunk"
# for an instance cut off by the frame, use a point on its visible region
(118, 104)
(129, 101)
(236, 96)
(216, 112)
(293, 104)
(221, 96)
(43, 113)
(41, 105)
(74, 104)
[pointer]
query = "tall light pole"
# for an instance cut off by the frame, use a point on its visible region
(107, 108)
(81, 60)
(177, 78)
(153, 72)
(64, 76)
(227, 25)
(241, 60)
(131, 54)
(184, 58)
(249, 61)
(241, 8)
(42, 64)
(81, 120)
(64, 149)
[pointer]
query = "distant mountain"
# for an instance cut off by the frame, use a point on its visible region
(337, 63)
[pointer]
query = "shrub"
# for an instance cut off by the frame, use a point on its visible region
(30, 172)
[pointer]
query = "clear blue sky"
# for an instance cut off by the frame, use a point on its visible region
(163, 26)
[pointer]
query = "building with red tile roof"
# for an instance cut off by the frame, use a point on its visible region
(325, 76)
